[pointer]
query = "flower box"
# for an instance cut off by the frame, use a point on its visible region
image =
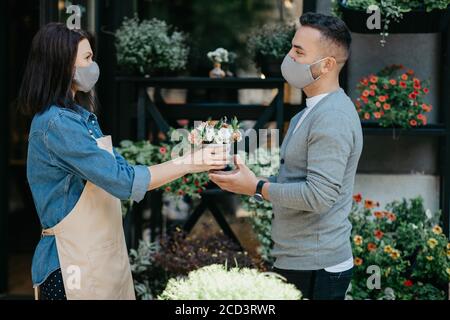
(414, 21)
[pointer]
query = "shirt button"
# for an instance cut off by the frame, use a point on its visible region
(90, 131)
(282, 161)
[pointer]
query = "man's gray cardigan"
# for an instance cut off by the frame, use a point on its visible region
(312, 195)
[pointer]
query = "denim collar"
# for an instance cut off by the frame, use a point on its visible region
(85, 114)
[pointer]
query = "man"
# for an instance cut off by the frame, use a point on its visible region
(312, 195)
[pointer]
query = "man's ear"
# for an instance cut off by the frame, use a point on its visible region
(328, 65)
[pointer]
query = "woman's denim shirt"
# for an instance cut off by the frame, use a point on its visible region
(62, 155)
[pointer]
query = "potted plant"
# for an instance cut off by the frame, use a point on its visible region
(216, 133)
(406, 243)
(222, 59)
(217, 282)
(269, 45)
(398, 16)
(150, 47)
(391, 98)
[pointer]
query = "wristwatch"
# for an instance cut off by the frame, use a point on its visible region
(258, 194)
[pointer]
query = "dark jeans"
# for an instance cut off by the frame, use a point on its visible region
(318, 284)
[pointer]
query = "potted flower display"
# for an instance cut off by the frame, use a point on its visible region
(221, 59)
(407, 246)
(398, 16)
(269, 45)
(217, 282)
(213, 133)
(150, 47)
(392, 98)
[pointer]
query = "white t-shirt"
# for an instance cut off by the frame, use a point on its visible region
(310, 104)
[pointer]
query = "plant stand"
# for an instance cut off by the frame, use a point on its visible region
(160, 112)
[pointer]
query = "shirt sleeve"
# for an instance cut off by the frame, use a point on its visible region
(72, 148)
(329, 147)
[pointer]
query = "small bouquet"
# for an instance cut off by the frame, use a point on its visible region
(221, 55)
(213, 132)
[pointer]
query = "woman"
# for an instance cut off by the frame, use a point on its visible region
(77, 178)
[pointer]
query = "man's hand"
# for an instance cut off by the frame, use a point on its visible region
(240, 181)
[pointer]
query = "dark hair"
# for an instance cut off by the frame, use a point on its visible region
(332, 28)
(49, 71)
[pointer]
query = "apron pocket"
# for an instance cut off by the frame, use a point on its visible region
(107, 270)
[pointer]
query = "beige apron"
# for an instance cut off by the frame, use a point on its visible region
(91, 245)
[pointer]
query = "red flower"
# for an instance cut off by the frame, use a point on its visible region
(358, 104)
(393, 82)
(168, 189)
(408, 283)
(162, 150)
(417, 86)
(378, 234)
(369, 204)
(367, 116)
(412, 96)
(373, 79)
(410, 72)
(377, 115)
(372, 93)
(373, 86)
(364, 81)
(404, 76)
(371, 246)
(426, 90)
(382, 98)
(180, 192)
(386, 106)
(365, 93)
(413, 122)
(378, 104)
(402, 84)
(199, 190)
(357, 198)
(196, 183)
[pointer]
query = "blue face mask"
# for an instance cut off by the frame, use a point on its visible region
(85, 78)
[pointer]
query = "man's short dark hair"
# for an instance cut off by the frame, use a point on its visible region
(332, 28)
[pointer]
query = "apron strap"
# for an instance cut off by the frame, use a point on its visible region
(36, 293)
(47, 232)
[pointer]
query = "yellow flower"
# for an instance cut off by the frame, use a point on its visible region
(387, 272)
(448, 253)
(448, 246)
(358, 261)
(395, 254)
(448, 271)
(358, 240)
(437, 229)
(429, 258)
(388, 249)
(432, 242)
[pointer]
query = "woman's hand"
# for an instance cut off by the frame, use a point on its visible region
(207, 157)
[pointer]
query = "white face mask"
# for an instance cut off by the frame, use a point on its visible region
(297, 74)
(86, 77)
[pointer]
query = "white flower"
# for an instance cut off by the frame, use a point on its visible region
(194, 137)
(209, 133)
(429, 214)
(223, 136)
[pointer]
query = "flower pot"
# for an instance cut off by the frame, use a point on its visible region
(414, 21)
(226, 146)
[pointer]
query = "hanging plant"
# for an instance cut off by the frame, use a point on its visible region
(404, 16)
